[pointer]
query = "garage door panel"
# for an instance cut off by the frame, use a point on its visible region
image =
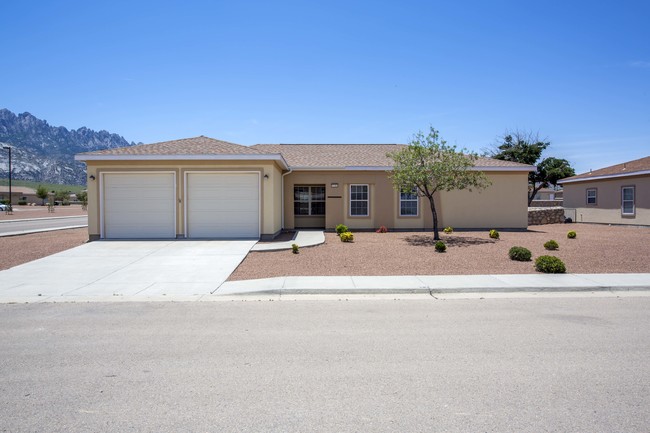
(141, 205)
(223, 205)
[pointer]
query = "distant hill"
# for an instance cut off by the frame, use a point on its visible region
(44, 153)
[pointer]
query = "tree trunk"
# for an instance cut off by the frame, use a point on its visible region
(436, 233)
(531, 196)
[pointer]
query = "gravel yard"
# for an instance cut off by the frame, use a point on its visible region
(16, 250)
(22, 212)
(597, 249)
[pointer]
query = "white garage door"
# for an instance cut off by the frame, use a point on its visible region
(139, 205)
(223, 205)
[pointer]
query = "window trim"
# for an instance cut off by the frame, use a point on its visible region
(367, 200)
(417, 203)
(309, 201)
(595, 190)
(633, 213)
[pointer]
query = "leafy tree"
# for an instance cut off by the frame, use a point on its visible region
(429, 165)
(41, 192)
(527, 148)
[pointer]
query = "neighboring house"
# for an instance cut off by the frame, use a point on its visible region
(206, 188)
(548, 194)
(619, 194)
(19, 194)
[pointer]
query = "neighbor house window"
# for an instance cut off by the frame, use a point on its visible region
(627, 200)
(408, 203)
(309, 200)
(592, 195)
(359, 200)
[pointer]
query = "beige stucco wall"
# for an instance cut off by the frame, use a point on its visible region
(504, 204)
(270, 188)
(608, 206)
(383, 203)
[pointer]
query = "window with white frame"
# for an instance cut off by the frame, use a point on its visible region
(359, 199)
(592, 196)
(309, 200)
(408, 203)
(627, 200)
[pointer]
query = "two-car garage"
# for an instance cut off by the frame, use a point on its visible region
(144, 205)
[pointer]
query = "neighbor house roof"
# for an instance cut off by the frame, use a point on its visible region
(296, 156)
(358, 156)
(630, 168)
(188, 148)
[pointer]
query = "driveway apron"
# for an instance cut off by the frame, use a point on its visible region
(127, 268)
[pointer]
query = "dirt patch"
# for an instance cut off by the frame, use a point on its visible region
(597, 249)
(23, 212)
(16, 250)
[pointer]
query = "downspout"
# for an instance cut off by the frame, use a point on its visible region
(282, 197)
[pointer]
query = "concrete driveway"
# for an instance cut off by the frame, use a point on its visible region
(142, 269)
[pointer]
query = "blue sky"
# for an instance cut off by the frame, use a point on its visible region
(576, 72)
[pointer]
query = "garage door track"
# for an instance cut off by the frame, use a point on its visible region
(126, 268)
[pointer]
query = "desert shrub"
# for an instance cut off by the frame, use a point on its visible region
(551, 245)
(347, 237)
(520, 254)
(440, 247)
(494, 234)
(448, 230)
(341, 228)
(295, 249)
(382, 229)
(571, 235)
(22, 202)
(549, 265)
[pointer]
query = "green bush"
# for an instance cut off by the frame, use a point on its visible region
(549, 265)
(448, 230)
(347, 237)
(22, 202)
(440, 247)
(341, 228)
(295, 249)
(551, 245)
(494, 234)
(520, 254)
(571, 235)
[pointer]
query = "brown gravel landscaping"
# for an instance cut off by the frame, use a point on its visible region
(16, 250)
(597, 249)
(22, 212)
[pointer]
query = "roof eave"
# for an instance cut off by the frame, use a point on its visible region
(605, 176)
(210, 157)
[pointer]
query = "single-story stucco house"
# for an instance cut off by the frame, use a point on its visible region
(206, 188)
(618, 194)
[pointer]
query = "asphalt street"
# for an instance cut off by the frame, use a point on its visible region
(465, 365)
(42, 224)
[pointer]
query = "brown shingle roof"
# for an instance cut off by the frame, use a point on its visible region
(623, 169)
(352, 155)
(186, 146)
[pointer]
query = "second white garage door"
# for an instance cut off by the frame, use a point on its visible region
(223, 205)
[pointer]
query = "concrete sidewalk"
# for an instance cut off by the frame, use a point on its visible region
(433, 284)
(303, 238)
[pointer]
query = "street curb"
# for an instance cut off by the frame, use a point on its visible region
(28, 232)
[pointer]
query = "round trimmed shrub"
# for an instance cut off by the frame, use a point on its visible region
(448, 230)
(341, 228)
(494, 234)
(347, 237)
(549, 265)
(440, 247)
(520, 254)
(551, 245)
(571, 235)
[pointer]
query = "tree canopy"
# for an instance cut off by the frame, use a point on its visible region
(527, 148)
(429, 165)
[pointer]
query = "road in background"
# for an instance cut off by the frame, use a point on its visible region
(41, 224)
(498, 365)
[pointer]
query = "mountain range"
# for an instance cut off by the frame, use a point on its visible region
(44, 153)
